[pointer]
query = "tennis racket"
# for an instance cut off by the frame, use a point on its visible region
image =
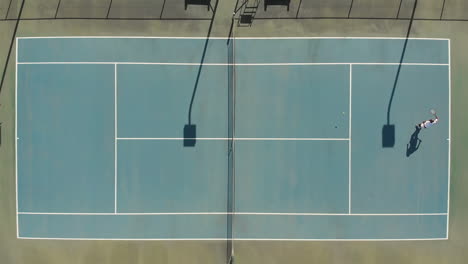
(434, 113)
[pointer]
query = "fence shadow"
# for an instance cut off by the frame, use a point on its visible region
(180, 10)
(12, 42)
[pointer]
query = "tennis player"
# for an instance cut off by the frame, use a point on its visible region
(428, 123)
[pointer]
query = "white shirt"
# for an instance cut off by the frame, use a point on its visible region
(428, 123)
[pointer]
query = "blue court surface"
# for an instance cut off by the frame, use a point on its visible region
(288, 139)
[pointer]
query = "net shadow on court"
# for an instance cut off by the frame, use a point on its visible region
(388, 130)
(190, 129)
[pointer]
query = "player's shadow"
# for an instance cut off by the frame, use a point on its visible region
(414, 143)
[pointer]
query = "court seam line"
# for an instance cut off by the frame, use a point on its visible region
(243, 239)
(16, 138)
(240, 139)
(236, 64)
(349, 135)
(239, 213)
(115, 138)
(221, 38)
(450, 136)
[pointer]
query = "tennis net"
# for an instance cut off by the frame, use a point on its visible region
(231, 147)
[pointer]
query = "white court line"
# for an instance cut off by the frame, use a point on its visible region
(16, 137)
(130, 63)
(169, 213)
(237, 239)
(335, 239)
(337, 214)
(373, 38)
(115, 138)
(167, 37)
(240, 139)
(349, 136)
(450, 136)
(237, 64)
(340, 63)
(237, 213)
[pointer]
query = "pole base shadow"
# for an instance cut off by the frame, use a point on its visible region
(198, 2)
(388, 136)
(267, 3)
(190, 135)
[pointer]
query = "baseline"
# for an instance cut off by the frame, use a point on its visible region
(240, 139)
(241, 64)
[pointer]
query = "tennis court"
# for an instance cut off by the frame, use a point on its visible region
(288, 138)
